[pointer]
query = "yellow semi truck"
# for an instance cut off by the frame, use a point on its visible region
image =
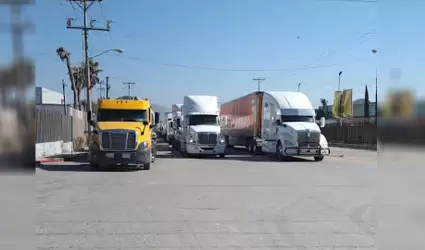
(123, 133)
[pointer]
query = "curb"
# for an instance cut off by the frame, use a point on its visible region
(49, 160)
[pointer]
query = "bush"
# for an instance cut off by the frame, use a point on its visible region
(79, 143)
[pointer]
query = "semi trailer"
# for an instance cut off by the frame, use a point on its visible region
(281, 123)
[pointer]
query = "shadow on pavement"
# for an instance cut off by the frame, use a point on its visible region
(81, 168)
(241, 154)
(236, 154)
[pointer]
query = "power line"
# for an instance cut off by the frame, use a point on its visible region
(223, 69)
(352, 1)
(310, 65)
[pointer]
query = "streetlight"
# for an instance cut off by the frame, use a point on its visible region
(374, 51)
(299, 84)
(106, 51)
(339, 80)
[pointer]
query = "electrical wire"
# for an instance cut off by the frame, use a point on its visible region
(352, 1)
(106, 20)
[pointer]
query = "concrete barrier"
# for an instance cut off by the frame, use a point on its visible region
(49, 149)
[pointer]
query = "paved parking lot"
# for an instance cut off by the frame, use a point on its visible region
(240, 202)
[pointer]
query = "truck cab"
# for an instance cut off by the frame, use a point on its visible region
(289, 126)
(201, 132)
(123, 133)
(168, 126)
(177, 128)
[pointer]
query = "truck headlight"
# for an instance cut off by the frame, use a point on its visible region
(221, 139)
(191, 141)
(143, 145)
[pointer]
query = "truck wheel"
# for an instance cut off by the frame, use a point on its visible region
(319, 158)
(147, 166)
(226, 139)
(279, 152)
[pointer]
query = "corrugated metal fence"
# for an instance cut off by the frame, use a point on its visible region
(54, 125)
(351, 133)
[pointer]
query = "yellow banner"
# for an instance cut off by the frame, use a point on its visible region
(400, 104)
(337, 104)
(347, 102)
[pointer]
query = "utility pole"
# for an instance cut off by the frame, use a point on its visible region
(129, 85)
(64, 96)
(259, 80)
(108, 87)
(17, 27)
(376, 96)
(374, 51)
(339, 80)
(101, 89)
(85, 5)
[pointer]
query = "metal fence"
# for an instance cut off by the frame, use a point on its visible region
(54, 125)
(402, 131)
(363, 133)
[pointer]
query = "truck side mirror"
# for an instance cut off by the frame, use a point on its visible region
(156, 115)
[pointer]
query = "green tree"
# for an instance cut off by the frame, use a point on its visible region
(77, 75)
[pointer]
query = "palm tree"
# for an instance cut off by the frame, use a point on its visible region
(324, 103)
(94, 73)
(79, 73)
(65, 56)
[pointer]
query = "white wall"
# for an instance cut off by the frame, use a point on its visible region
(47, 96)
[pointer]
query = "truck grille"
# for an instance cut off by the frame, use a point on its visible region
(118, 140)
(207, 138)
(314, 137)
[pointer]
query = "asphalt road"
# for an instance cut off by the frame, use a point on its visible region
(240, 202)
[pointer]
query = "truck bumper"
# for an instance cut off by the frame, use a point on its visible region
(205, 149)
(306, 151)
(138, 157)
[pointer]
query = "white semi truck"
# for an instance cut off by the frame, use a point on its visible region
(176, 110)
(281, 123)
(168, 126)
(201, 132)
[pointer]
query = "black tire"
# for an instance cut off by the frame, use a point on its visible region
(319, 158)
(226, 139)
(147, 166)
(278, 154)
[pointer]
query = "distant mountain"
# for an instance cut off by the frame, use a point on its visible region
(161, 109)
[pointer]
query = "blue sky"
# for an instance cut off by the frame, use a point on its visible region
(310, 41)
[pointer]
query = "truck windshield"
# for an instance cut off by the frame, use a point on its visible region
(293, 118)
(203, 120)
(111, 115)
